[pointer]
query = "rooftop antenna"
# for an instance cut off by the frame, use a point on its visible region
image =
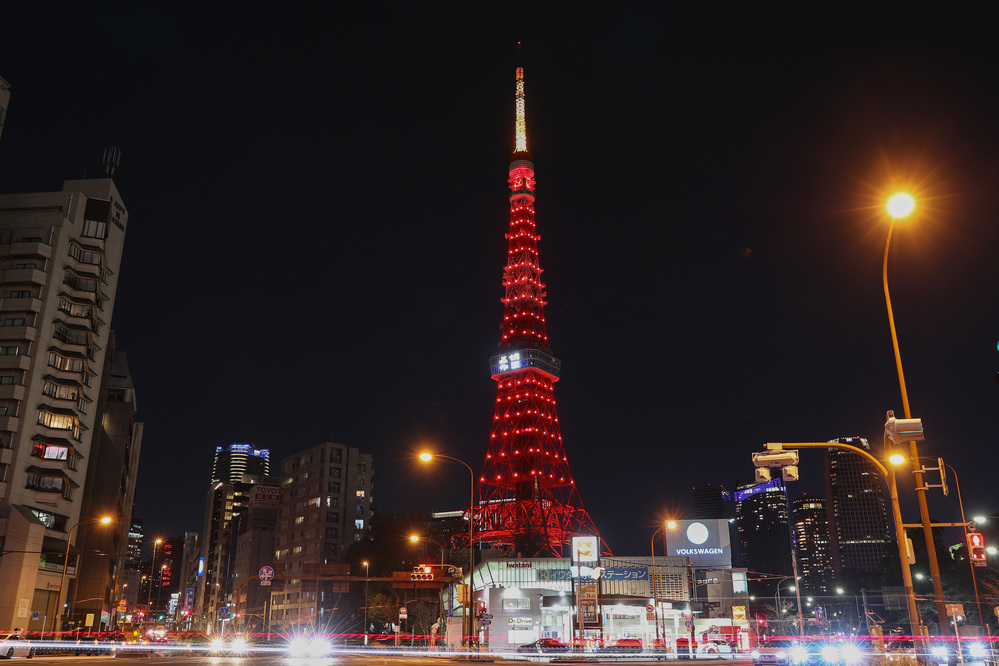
(112, 156)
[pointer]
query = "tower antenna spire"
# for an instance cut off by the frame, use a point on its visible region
(520, 125)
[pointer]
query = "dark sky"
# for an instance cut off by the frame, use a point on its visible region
(317, 198)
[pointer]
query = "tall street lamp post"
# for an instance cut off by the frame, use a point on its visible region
(656, 588)
(366, 565)
(106, 520)
(149, 595)
(466, 617)
(899, 206)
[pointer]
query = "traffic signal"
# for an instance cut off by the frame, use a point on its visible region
(904, 430)
(976, 549)
(422, 572)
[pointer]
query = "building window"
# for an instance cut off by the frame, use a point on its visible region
(10, 350)
(35, 481)
(334, 487)
(65, 363)
(50, 451)
(360, 482)
(59, 422)
(12, 321)
(517, 603)
(332, 502)
(362, 467)
(95, 229)
(359, 509)
(358, 524)
(20, 294)
(60, 392)
(360, 493)
(335, 472)
(6, 379)
(332, 517)
(28, 265)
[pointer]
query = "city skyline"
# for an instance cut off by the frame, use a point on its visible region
(314, 213)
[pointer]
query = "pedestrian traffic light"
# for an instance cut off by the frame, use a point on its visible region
(976, 549)
(904, 430)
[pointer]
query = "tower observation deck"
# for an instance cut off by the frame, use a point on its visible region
(529, 504)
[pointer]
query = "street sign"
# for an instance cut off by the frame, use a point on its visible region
(649, 608)
(487, 616)
(485, 623)
(955, 609)
(688, 623)
(224, 612)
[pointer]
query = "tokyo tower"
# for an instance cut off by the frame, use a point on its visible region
(529, 504)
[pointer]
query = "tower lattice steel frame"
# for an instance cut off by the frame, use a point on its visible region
(529, 504)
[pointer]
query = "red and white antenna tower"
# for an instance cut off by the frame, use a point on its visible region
(529, 504)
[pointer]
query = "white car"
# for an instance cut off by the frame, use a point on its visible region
(714, 646)
(14, 645)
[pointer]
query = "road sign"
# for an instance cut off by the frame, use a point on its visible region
(649, 608)
(224, 612)
(487, 616)
(486, 623)
(955, 609)
(688, 623)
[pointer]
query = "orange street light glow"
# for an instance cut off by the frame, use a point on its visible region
(900, 205)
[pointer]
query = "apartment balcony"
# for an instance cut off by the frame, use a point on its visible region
(30, 249)
(15, 362)
(18, 333)
(21, 305)
(9, 424)
(12, 392)
(23, 276)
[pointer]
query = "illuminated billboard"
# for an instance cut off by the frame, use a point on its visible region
(705, 542)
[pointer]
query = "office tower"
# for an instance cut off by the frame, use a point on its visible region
(764, 522)
(325, 507)
(109, 491)
(235, 460)
(812, 544)
(855, 504)
(530, 505)
(59, 259)
(236, 469)
(256, 534)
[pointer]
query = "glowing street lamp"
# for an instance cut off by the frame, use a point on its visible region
(366, 565)
(415, 538)
(466, 617)
(668, 525)
(105, 520)
(899, 206)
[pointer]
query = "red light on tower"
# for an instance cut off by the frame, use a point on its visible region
(976, 549)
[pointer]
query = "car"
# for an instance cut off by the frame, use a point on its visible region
(781, 651)
(973, 651)
(15, 645)
(623, 645)
(714, 646)
(683, 647)
(313, 647)
(544, 646)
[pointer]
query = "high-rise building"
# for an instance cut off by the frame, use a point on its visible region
(109, 491)
(764, 521)
(530, 505)
(59, 259)
(325, 507)
(235, 460)
(812, 544)
(256, 534)
(858, 519)
(135, 537)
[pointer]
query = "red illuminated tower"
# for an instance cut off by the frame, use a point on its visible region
(529, 503)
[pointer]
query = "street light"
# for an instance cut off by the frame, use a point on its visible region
(899, 206)
(366, 564)
(105, 520)
(149, 596)
(466, 618)
(656, 589)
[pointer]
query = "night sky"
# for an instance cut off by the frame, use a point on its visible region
(318, 198)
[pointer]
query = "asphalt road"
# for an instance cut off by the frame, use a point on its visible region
(352, 659)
